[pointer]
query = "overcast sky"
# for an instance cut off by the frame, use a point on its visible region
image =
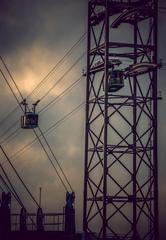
(34, 36)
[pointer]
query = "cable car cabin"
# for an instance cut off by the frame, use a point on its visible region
(29, 120)
(116, 81)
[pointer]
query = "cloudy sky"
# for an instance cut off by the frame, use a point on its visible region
(34, 36)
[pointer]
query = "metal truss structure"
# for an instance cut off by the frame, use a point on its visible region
(120, 184)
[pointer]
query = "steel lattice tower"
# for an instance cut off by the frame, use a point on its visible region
(120, 182)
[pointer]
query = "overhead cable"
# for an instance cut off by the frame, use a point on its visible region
(48, 75)
(33, 129)
(14, 169)
(48, 130)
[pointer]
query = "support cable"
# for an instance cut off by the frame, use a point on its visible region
(55, 100)
(61, 78)
(34, 132)
(48, 75)
(49, 159)
(11, 188)
(7, 186)
(33, 129)
(10, 137)
(37, 138)
(62, 94)
(12, 80)
(48, 145)
(17, 100)
(2, 189)
(14, 169)
(8, 116)
(58, 64)
(50, 129)
(8, 129)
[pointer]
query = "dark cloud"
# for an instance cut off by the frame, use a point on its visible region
(24, 22)
(34, 34)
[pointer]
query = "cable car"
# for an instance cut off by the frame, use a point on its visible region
(116, 80)
(30, 119)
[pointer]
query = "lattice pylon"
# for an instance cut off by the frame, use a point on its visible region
(120, 184)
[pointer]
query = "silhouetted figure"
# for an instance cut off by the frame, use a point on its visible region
(23, 220)
(70, 213)
(39, 220)
(5, 221)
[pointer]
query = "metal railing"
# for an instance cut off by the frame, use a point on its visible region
(51, 221)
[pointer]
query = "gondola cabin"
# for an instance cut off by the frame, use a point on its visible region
(29, 120)
(116, 80)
